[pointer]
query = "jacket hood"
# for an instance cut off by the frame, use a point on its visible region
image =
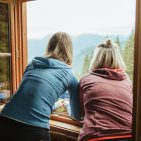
(114, 74)
(40, 62)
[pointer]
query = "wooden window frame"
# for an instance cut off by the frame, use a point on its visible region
(19, 62)
(18, 40)
(136, 82)
(62, 125)
(137, 76)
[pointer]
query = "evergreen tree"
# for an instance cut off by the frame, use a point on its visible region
(117, 41)
(128, 55)
(86, 64)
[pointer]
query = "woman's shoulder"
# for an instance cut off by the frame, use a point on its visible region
(86, 77)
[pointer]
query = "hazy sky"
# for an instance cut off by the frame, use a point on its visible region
(80, 16)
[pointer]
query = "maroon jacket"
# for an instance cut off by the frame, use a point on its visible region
(106, 97)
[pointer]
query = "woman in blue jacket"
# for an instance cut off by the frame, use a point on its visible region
(26, 116)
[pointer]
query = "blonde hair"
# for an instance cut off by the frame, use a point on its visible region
(107, 55)
(60, 47)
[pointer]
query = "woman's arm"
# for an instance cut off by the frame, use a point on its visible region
(81, 101)
(74, 99)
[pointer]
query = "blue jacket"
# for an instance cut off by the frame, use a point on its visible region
(44, 81)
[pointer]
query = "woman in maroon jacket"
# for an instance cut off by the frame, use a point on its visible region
(106, 97)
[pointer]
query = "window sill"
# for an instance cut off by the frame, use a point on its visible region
(65, 118)
(64, 128)
(1, 106)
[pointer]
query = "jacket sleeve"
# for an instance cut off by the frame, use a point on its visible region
(74, 109)
(81, 100)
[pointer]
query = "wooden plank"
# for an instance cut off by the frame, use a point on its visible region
(24, 36)
(66, 119)
(64, 131)
(65, 126)
(137, 76)
(13, 49)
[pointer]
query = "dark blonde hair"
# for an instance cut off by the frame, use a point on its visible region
(60, 47)
(107, 55)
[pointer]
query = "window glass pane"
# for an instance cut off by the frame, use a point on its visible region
(4, 34)
(4, 77)
(5, 63)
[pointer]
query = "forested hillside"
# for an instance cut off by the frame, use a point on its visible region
(84, 45)
(128, 55)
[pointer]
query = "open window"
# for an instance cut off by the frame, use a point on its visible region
(13, 57)
(87, 28)
(5, 53)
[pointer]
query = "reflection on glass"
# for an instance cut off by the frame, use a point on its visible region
(4, 53)
(4, 47)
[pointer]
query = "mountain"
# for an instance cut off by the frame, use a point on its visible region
(37, 47)
(83, 45)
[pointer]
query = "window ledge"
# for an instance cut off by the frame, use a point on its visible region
(1, 106)
(64, 128)
(60, 130)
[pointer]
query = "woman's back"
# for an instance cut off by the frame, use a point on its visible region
(107, 95)
(107, 98)
(44, 80)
